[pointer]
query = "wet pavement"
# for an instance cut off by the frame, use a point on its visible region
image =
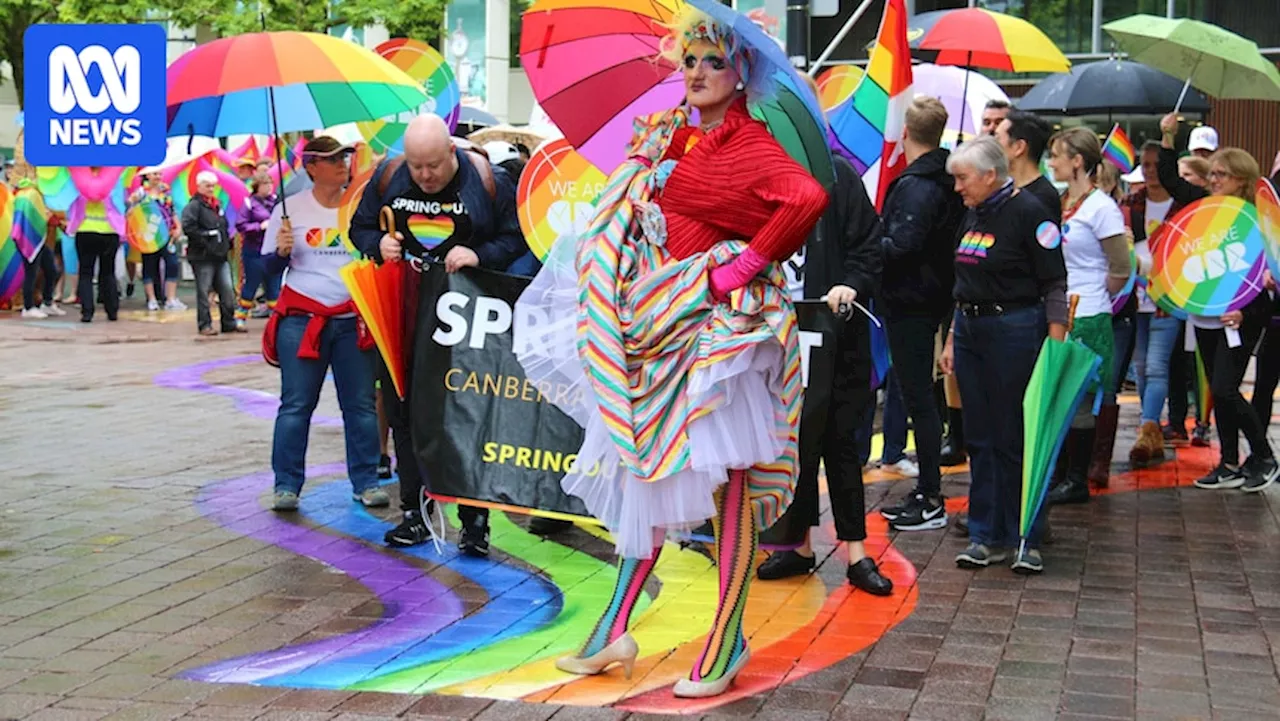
(141, 577)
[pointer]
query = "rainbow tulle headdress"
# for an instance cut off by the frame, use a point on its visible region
(690, 24)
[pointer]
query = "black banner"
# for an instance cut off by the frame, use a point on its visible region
(486, 434)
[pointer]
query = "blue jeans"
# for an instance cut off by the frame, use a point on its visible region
(994, 358)
(300, 384)
(895, 422)
(254, 272)
(1156, 338)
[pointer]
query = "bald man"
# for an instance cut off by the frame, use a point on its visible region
(471, 207)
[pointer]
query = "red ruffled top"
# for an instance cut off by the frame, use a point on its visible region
(737, 183)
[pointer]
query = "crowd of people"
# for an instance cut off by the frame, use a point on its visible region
(971, 264)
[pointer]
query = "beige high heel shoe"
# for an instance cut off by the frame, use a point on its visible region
(686, 688)
(623, 651)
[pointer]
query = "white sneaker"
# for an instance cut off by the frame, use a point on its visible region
(152, 306)
(52, 309)
(174, 304)
(33, 314)
(905, 468)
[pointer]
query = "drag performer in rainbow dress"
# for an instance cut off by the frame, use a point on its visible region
(686, 341)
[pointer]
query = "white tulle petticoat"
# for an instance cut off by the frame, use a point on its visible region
(738, 433)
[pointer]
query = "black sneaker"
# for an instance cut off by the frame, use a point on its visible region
(922, 513)
(475, 538)
(128, 289)
(411, 531)
(891, 512)
(384, 467)
(542, 526)
(1259, 474)
(1174, 433)
(785, 564)
(1222, 478)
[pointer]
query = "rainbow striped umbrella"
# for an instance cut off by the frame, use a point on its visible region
(10, 257)
(317, 81)
(978, 38)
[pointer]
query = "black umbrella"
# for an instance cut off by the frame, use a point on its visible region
(1111, 87)
(471, 119)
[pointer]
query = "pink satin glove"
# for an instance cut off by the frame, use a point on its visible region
(729, 277)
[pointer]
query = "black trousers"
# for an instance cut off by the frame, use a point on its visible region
(1225, 367)
(407, 466)
(1264, 386)
(97, 248)
(911, 341)
(851, 394)
(42, 262)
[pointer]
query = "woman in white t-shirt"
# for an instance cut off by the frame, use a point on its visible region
(314, 329)
(1096, 251)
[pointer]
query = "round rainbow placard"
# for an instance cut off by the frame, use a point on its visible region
(1269, 218)
(147, 226)
(1209, 259)
(556, 195)
(430, 231)
(423, 63)
(837, 84)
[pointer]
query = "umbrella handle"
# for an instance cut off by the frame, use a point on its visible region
(1182, 96)
(386, 219)
(1073, 301)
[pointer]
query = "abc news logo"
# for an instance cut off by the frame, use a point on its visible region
(121, 89)
(95, 94)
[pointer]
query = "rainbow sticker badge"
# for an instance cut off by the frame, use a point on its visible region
(426, 65)
(556, 195)
(1209, 259)
(431, 231)
(1268, 201)
(147, 226)
(1048, 235)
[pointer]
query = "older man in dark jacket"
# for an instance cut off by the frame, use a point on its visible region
(921, 214)
(208, 245)
(841, 264)
(454, 188)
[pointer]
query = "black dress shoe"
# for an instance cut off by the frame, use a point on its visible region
(865, 575)
(1071, 490)
(784, 564)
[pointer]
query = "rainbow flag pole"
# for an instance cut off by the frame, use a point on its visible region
(1119, 150)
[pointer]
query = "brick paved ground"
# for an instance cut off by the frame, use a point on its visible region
(1161, 603)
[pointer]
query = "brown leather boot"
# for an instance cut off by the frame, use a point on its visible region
(1149, 448)
(1104, 444)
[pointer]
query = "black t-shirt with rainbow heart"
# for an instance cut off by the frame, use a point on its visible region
(432, 224)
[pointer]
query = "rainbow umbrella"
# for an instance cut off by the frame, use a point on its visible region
(978, 38)
(147, 226)
(1209, 258)
(595, 66)
(1064, 373)
(426, 65)
(316, 81)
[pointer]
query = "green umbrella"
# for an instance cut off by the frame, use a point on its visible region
(1063, 374)
(1216, 61)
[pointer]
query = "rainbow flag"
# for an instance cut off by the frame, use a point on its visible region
(867, 127)
(30, 220)
(1119, 150)
(10, 269)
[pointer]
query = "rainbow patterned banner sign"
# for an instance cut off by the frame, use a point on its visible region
(1269, 218)
(147, 226)
(1209, 259)
(836, 85)
(556, 195)
(426, 65)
